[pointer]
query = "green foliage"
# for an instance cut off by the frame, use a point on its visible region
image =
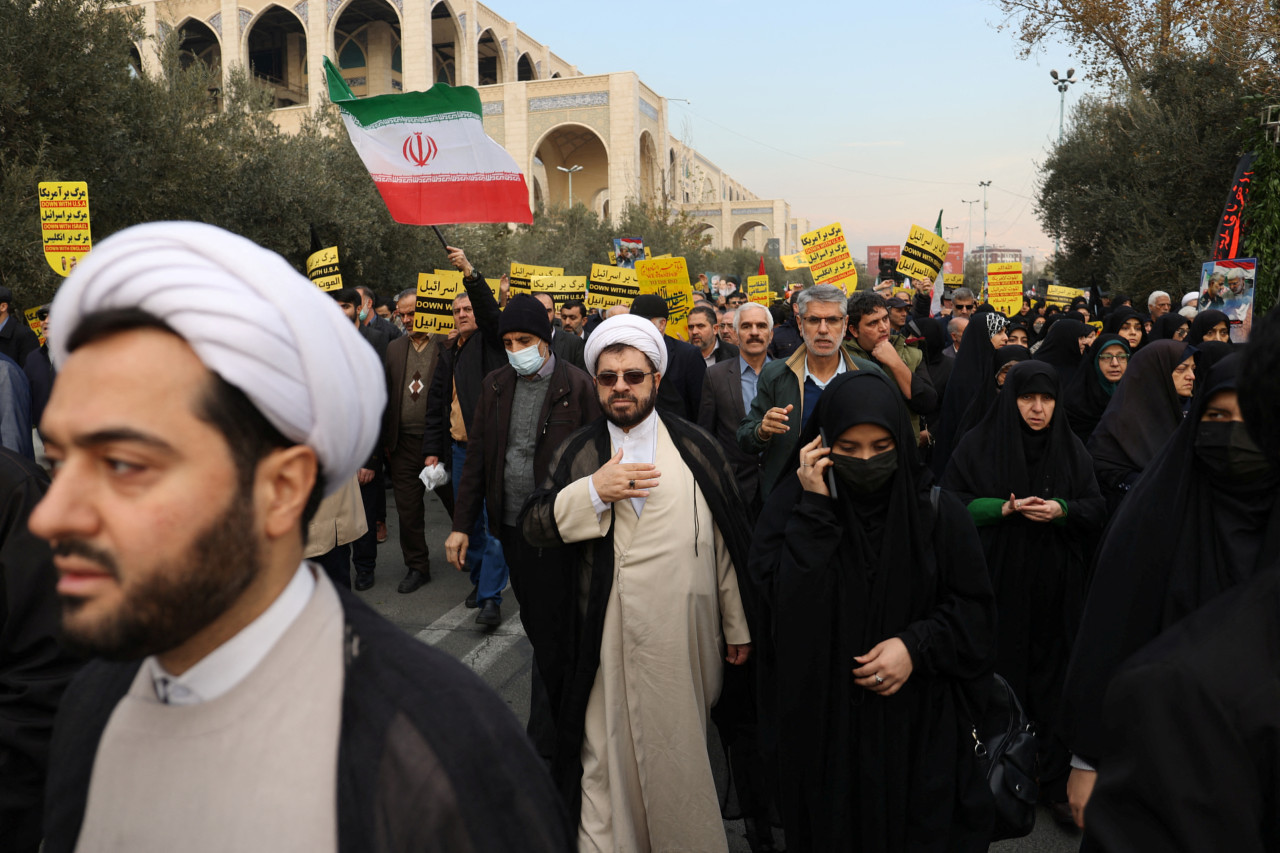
(1262, 224)
(1135, 190)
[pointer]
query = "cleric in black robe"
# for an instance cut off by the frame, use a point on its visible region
(974, 367)
(874, 765)
(1143, 413)
(573, 665)
(1089, 392)
(1215, 502)
(1062, 347)
(1038, 563)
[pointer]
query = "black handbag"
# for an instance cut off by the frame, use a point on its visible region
(1004, 745)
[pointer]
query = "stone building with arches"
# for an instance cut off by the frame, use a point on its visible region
(600, 139)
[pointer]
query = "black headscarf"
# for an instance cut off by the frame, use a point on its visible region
(935, 337)
(973, 370)
(1037, 568)
(1203, 322)
(1086, 398)
(855, 768)
(1164, 328)
(1215, 534)
(977, 410)
(1061, 347)
(1144, 411)
(1119, 317)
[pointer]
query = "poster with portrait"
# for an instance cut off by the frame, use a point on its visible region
(1227, 286)
(628, 250)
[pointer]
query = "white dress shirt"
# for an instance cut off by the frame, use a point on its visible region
(638, 445)
(228, 664)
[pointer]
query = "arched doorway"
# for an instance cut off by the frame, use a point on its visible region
(444, 45)
(277, 49)
(750, 235)
(489, 60)
(135, 60)
(648, 169)
(197, 42)
(366, 42)
(707, 234)
(525, 69)
(563, 148)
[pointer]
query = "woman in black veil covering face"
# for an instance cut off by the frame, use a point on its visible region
(882, 612)
(1213, 494)
(1028, 483)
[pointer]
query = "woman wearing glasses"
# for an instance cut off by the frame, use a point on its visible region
(1094, 384)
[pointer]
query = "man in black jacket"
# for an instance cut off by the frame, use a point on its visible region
(681, 390)
(451, 411)
(16, 338)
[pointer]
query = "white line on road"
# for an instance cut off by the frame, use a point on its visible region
(493, 643)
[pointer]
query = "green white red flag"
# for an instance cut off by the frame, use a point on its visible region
(428, 154)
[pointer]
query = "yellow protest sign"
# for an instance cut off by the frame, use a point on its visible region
(923, 254)
(522, 274)
(64, 223)
(953, 279)
(655, 257)
(322, 269)
(561, 288)
(669, 278)
(32, 316)
(829, 257)
(758, 289)
(648, 253)
(795, 262)
(1004, 287)
(433, 309)
(609, 286)
(495, 287)
(1058, 295)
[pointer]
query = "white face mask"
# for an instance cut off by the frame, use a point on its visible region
(527, 361)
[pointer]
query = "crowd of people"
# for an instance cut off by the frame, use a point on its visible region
(820, 525)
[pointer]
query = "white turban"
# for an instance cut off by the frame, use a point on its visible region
(624, 329)
(253, 320)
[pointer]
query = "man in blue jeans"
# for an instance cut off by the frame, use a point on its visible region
(452, 402)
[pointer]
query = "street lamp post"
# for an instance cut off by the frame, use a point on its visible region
(1062, 84)
(984, 185)
(971, 203)
(569, 171)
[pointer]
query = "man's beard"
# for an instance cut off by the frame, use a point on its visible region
(643, 408)
(178, 600)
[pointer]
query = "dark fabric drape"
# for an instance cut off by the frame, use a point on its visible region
(1203, 322)
(971, 373)
(860, 771)
(1214, 532)
(977, 410)
(1061, 347)
(1164, 328)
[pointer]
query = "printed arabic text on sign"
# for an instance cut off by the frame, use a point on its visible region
(64, 223)
(829, 259)
(433, 308)
(758, 289)
(610, 286)
(923, 254)
(1004, 287)
(669, 277)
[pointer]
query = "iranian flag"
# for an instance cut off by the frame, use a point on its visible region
(430, 157)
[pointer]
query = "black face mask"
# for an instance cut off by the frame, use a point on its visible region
(865, 475)
(1228, 450)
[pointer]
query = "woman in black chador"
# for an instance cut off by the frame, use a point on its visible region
(883, 613)
(1028, 483)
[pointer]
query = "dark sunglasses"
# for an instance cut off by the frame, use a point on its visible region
(609, 378)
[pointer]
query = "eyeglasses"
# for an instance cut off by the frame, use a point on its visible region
(818, 321)
(963, 307)
(1114, 359)
(609, 378)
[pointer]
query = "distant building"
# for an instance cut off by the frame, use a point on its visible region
(997, 255)
(542, 109)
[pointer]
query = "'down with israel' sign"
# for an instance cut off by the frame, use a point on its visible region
(922, 255)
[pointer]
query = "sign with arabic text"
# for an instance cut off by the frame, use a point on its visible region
(923, 254)
(1004, 287)
(433, 309)
(322, 269)
(758, 289)
(829, 259)
(669, 278)
(64, 223)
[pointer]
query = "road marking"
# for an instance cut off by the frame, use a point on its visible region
(493, 644)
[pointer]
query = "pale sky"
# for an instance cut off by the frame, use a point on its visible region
(871, 114)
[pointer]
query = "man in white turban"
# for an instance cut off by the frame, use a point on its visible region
(644, 505)
(207, 396)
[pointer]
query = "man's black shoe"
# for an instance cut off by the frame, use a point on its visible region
(413, 579)
(471, 597)
(364, 580)
(490, 613)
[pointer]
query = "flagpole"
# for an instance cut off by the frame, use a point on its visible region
(441, 236)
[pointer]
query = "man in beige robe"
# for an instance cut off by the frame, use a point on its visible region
(659, 607)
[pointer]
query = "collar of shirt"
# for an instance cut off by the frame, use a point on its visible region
(744, 367)
(638, 445)
(228, 664)
(840, 368)
(548, 365)
(710, 358)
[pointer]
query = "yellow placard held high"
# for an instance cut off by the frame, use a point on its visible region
(923, 254)
(433, 309)
(669, 278)
(64, 223)
(561, 288)
(609, 285)
(1004, 287)
(522, 274)
(32, 316)
(758, 289)
(953, 279)
(795, 262)
(322, 269)
(830, 261)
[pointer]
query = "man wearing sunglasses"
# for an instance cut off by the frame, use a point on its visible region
(652, 528)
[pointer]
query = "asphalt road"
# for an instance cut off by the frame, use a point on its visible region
(435, 614)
